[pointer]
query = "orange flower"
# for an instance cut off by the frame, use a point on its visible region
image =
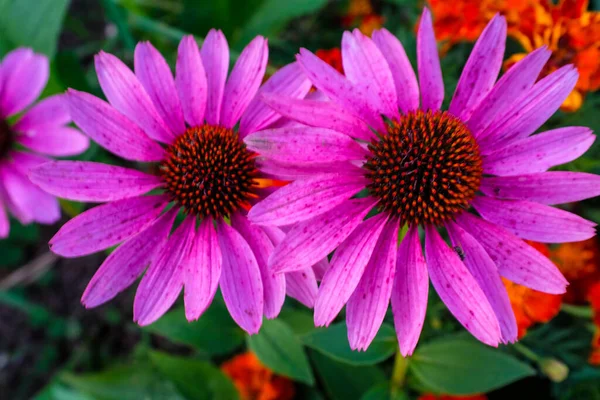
(360, 13)
(530, 306)
(580, 264)
(332, 57)
(369, 23)
(254, 381)
(594, 299)
(448, 397)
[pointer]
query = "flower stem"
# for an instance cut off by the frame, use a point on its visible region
(577, 311)
(398, 373)
(526, 352)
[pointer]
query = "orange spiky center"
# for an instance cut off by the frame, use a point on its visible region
(6, 139)
(426, 169)
(209, 172)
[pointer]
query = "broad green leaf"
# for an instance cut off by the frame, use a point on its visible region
(343, 381)
(32, 23)
(384, 392)
(195, 379)
(333, 341)
(278, 348)
(126, 382)
(214, 333)
(300, 320)
(462, 366)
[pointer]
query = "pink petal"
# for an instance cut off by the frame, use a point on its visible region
(261, 246)
(405, 80)
(339, 89)
(305, 199)
(539, 152)
(31, 202)
(428, 61)
(191, 81)
(530, 111)
(52, 111)
(24, 76)
(481, 70)
(516, 260)
(292, 171)
(518, 80)
(321, 268)
(55, 141)
(534, 221)
(409, 294)
(123, 266)
(554, 187)
(347, 267)
(322, 114)
(203, 270)
(24, 162)
(244, 81)
(110, 129)
(302, 286)
(91, 181)
(368, 304)
(310, 241)
(215, 58)
(5, 223)
(364, 65)
(106, 225)
(290, 82)
(241, 283)
(483, 269)
(22, 215)
(305, 145)
(162, 283)
(155, 76)
(126, 94)
(459, 290)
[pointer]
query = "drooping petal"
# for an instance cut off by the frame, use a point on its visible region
(30, 200)
(519, 79)
(530, 111)
(24, 76)
(191, 81)
(321, 268)
(481, 70)
(110, 129)
(339, 89)
(162, 283)
(305, 145)
(203, 270)
(365, 65)
(305, 199)
(368, 304)
(310, 241)
(106, 225)
(91, 181)
(459, 290)
(50, 112)
(22, 215)
(292, 172)
(409, 294)
(262, 247)
(321, 114)
(483, 269)
(60, 141)
(4, 222)
(405, 80)
(539, 152)
(123, 266)
(289, 82)
(347, 267)
(516, 260)
(244, 81)
(155, 76)
(240, 281)
(554, 187)
(428, 61)
(215, 58)
(126, 94)
(302, 286)
(534, 221)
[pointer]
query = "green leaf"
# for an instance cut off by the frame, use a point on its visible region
(384, 392)
(300, 320)
(32, 23)
(462, 366)
(333, 341)
(343, 381)
(278, 348)
(197, 380)
(214, 333)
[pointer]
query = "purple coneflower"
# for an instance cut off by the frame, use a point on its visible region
(41, 129)
(373, 150)
(186, 127)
